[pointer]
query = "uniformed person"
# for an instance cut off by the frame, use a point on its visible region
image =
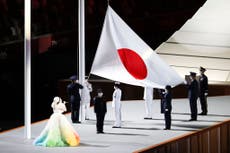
(74, 95)
(148, 97)
(116, 104)
(203, 82)
(193, 92)
(167, 104)
(85, 100)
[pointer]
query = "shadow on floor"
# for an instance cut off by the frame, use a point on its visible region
(139, 128)
(184, 120)
(93, 145)
(217, 115)
(106, 122)
(126, 134)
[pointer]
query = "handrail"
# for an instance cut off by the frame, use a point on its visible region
(185, 136)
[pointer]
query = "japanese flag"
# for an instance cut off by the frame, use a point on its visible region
(123, 56)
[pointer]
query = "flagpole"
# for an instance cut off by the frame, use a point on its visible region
(27, 68)
(81, 39)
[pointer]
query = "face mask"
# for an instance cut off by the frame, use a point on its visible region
(100, 94)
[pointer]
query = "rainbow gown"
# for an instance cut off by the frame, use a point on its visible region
(58, 133)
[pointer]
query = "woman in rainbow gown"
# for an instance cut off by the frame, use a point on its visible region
(58, 132)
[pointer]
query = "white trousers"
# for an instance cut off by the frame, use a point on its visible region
(117, 110)
(148, 108)
(85, 111)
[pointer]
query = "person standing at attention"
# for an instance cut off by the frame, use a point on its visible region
(85, 100)
(148, 97)
(116, 104)
(203, 82)
(100, 109)
(167, 104)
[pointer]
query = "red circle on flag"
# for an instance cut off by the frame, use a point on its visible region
(133, 63)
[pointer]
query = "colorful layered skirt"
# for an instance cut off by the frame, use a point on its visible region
(58, 132)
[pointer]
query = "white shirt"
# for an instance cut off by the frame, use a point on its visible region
(116, 97)
(87, 88)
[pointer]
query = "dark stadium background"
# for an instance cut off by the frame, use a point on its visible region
(55, 43)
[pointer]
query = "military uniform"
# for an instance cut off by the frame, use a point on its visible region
(116, 104)
(148, 97)
(193, 92)
(167, 105)
(73, 92)
(85, 100)
(203, 80)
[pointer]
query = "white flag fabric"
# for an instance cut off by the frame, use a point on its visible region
(123, 56)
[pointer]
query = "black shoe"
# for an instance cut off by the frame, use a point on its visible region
(147, 118)
(166, 128)
(116, 127)
(100, 132)
(202, 113)
(87, 119)
(78, 122)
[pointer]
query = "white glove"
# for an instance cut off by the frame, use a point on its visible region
(206, 94)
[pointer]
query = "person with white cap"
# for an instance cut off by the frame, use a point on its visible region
(116, 104)
(85, 100)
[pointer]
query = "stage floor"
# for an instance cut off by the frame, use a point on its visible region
(136, 133)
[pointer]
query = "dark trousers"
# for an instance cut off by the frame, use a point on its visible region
(162, 106)
(75, 108)
(203, 103)
(167, 119)
(193, 107)
(100, 121)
